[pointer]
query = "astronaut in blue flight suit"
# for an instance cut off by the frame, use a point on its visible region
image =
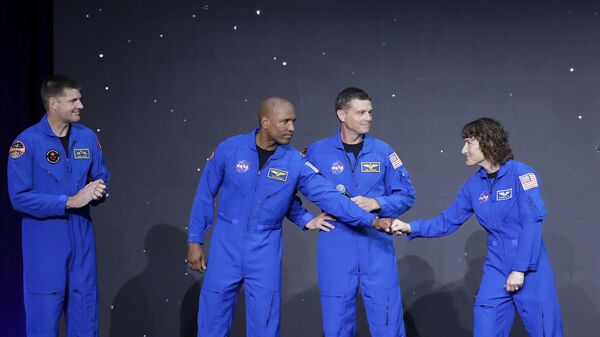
(351, 257)
(505, 196)
(55, 172)
(258, 175)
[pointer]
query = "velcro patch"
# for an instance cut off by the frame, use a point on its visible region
(277, 174)
(81, 153)
(370, 167)
(395, 160)
(528, 181)
(313, 167)
(17, 149)
(504, 194)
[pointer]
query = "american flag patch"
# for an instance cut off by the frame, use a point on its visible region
(528, 181)
(395, 160)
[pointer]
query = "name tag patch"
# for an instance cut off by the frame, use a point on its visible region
(81, 153)
(504, 194)
(277, 174)
(370, 167)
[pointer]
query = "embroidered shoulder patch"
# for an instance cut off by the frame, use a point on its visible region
(313, 167)
(395, 160)
(17, 149)
(528, 181)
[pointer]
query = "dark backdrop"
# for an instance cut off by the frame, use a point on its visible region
(165, 81)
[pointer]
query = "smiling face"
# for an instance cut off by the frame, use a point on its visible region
(356, 117)
(66, 108)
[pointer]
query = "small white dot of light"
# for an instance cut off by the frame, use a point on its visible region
(193, 15)
(198, 169)
(112, 307)
(414, 292)
(161, 35)
(128, 41)
(172, 110)
(234, 27)
(155, 100)
(352, 73)
(167, 300)
(87, 16)
(274, 58)
(393, 95)
(143, 251)
(185, 120)
(258, 12)
(98, 130)
(147, 203)
(100, 55)
(441, 151)
(106, 88)
(580, 117)
(186, 228)
(99, 9)
(571, 69)
(510, 94)
(284, 63)
(186, 274)
(466, 253)
(323, 53)
(245, 100)
(185, 260)
(383, 43)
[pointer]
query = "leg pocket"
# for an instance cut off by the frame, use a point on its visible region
(216, 312)
(42, 312)
(262, 312)
(82, 312)
(339, 315)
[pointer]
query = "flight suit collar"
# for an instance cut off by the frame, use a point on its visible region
(504, 168)
(48, 130)
(367, 139)
(251, 142)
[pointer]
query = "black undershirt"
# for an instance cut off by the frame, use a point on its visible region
(353, 148)
(65, 140)
(263, 156)
(493, 175)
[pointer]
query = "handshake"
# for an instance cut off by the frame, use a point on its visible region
(391, 226)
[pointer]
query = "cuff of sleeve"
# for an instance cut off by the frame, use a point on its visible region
(368, 219)
(304, 220)
(382, 203)
(195, 238)
(415, 230)
(63, 203)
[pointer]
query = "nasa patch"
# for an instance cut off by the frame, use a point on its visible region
(483, 197)
(242, 166)
(337, 167)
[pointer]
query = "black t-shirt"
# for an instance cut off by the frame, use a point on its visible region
(353, 148)
(263, 156)
(65, 140)
(493, 175)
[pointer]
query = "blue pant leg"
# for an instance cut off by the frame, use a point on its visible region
(46, 247)
(215, 315)
(82, 291)
(494, 310)
(384, 311)
(263, 307)
(339, 314)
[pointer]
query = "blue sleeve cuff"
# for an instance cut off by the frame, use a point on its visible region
(195, 238)
(382, 203)
(415, 230)
(63, 198)
(304, 220)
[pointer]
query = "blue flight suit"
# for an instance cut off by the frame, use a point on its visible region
(350, 256)
(59, 250)
(246, 245)
(510, 208)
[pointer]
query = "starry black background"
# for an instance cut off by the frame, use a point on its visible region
(165, 81)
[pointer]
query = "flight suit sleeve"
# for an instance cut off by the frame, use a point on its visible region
(20, 186)
(399, 191)
(448, 221)
(203, 208)
(99, 170)
(320, 190)
(298, 214)
(532, 212)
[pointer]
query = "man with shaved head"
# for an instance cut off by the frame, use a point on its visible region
(258, 175)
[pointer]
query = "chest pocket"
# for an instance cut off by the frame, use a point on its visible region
(47, 171)
(276, 189)
(369, 172)
(81, 162)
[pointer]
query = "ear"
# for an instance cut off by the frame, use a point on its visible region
(52, 102)
(264, 123)
(341, 114)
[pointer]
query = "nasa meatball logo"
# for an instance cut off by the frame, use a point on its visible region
(52, 156)
(242, 166)
(483, 197)
(337, 167)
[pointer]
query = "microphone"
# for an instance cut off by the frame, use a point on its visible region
(342, 189)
